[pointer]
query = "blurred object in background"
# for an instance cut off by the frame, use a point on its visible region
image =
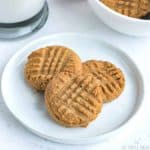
(21, 17)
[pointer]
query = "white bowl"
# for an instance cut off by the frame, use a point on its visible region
(119, 22)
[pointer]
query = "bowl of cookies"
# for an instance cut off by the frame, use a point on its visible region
(128, 17)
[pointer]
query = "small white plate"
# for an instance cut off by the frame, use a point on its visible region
(28, 106)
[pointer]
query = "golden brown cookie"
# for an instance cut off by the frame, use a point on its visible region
(73, 100)
(132, 8)
(43, 64)
(111, 79)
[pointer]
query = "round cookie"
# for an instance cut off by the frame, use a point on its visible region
(132, 8)
(73, 100)
(110, 78)
(43, 64)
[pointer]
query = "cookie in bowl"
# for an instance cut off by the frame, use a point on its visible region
(131, 8)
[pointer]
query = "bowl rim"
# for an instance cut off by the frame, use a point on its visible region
(119, 14)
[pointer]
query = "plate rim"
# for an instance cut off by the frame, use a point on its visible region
(84, 140)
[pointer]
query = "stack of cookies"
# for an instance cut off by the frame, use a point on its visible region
(131, 8)
(74, 91)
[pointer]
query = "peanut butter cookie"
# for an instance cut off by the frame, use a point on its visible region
(43, 64)
(73, 100)
(111, 79)
(132, 8)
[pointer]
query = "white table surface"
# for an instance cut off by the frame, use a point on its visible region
(76, 16)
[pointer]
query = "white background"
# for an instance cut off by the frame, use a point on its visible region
(76, 16)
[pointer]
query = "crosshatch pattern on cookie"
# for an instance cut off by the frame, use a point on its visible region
(110, 78)
(132, 8)
(75, 102)
(45, 63)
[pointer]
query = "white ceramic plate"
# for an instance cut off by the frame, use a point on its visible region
(28, 106)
